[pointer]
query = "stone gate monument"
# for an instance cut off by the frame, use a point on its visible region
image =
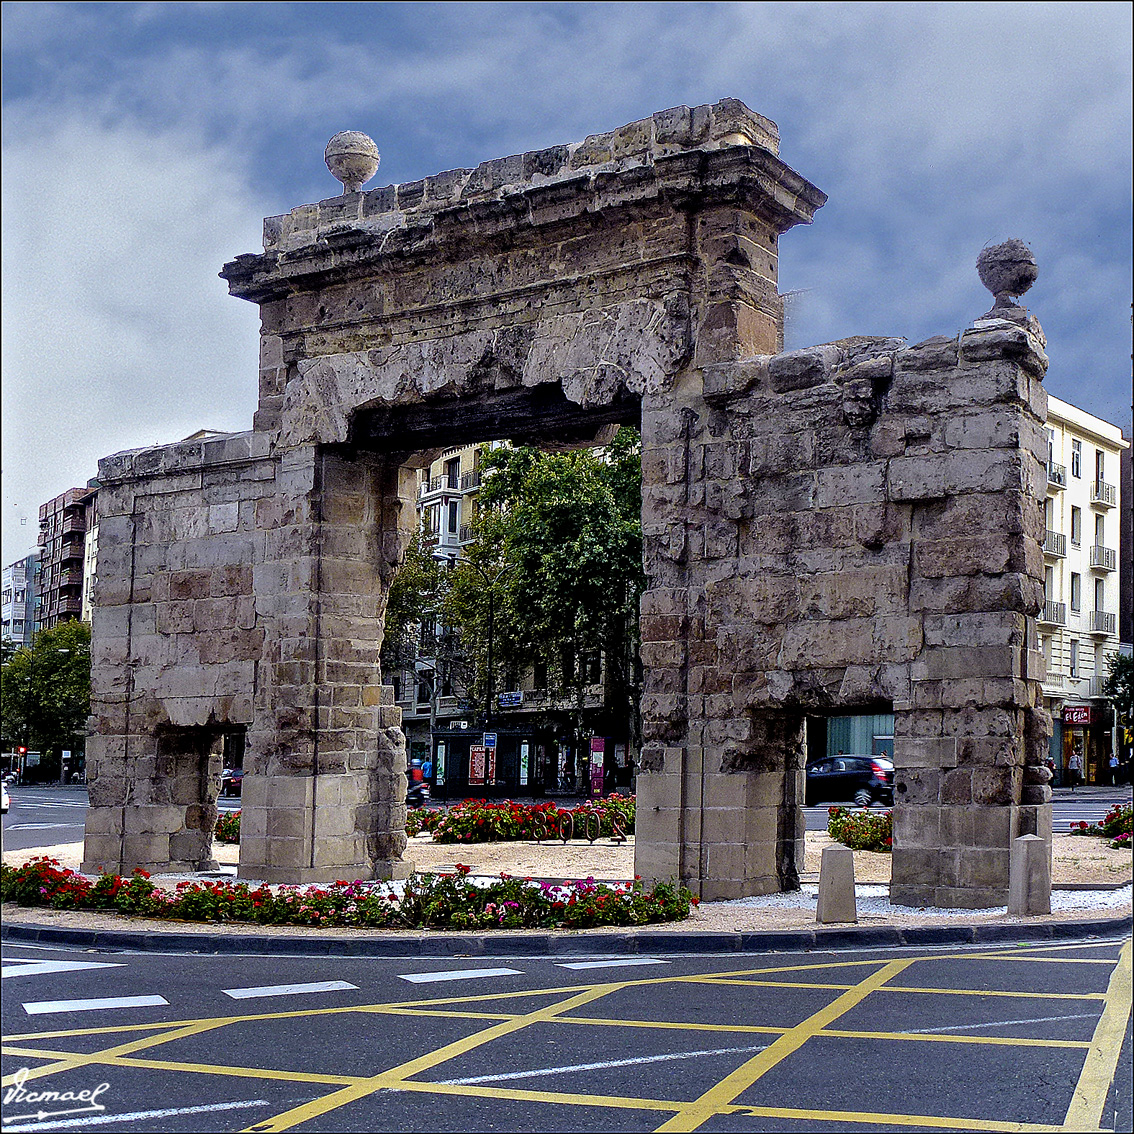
(854, 526)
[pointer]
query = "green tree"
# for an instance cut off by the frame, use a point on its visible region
(1119, 687)
(414, 592)
(45, 692)
(560, 535)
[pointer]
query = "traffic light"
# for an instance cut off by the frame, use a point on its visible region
(21, 751)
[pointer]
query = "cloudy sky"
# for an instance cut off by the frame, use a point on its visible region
(143, 143)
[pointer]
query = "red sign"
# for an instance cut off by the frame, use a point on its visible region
(598, 759)
(1077, 714)
(476, 764)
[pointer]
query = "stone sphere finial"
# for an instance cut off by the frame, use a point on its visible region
(352, 157)
(1007, 270)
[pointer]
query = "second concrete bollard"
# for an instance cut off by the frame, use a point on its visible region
(836, 886)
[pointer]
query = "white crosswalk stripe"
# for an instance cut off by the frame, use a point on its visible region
(458, 974)
(288, 989)
(47, 1007)
(14, 967)
(610, 964)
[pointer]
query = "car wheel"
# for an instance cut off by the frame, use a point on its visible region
(862, 798)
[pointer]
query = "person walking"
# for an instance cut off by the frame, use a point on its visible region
(1113, 765)
(1075, 769)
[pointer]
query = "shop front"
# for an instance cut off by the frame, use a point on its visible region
(1086, 745)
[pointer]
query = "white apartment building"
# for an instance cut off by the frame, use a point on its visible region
(1078, 624)
(18, 617)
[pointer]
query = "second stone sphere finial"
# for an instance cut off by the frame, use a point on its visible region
(352, 157)
(1007, 270)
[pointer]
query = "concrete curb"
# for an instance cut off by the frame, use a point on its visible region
(559, 944)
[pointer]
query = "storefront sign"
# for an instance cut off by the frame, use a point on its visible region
(1077, 714)
(476, 763)
(598, 759)
(490, 755)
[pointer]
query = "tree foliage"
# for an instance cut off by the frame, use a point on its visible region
(414, 593)
(1119, 687)
(558, 561)
(45, 688)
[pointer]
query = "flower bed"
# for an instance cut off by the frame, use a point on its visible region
(1115, 826)
(861, 830)
(478, 821)
(228, 827)
(424, 901)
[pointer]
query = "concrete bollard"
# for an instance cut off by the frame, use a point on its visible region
(1029, 877)
(836, 886)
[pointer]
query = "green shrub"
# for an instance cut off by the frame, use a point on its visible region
(861, 830)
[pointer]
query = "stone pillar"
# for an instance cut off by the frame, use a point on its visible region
(324, 785)
(970, 742)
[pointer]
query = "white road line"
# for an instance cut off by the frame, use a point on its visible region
(136, 1116)
(600, 1066)
(994, 1024)
(458, 974)
(40, 827)
(42, 1007)
(16, 967)
(287, 989)
(610, 964)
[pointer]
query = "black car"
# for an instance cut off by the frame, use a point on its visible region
(842, 779)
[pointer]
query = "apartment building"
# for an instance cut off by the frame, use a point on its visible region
(63, 527)
(1078, 626)
(20, 594)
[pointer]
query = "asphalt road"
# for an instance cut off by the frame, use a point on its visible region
(45, 816)
(1013, 1037)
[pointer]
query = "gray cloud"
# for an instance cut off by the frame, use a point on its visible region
(934, 128)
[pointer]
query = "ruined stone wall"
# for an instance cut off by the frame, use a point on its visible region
(175, 644)
(847, 528)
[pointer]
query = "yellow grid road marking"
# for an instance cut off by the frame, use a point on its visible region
(936, 1122)
(509, 1022)
(1001, 992)
(692, 1116)
(396, 1075)
(1089, 1098)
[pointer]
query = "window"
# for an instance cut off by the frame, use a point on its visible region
(452, 515)
(1077, 458)
(1050, 446)
(1100, 531)
(453, 472)
(1100, 595)
(1049, 584)
(1074, 658)
(1076, 590)
(1049, 514)
(1100, 465)
(1076, 525)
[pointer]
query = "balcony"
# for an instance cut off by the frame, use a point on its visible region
(466, 533)
(1103, 558)
(470, 480)
(1096, 686)
(74, 524)
(1101, 622)
(71, 577)
(1103, 494)
(1056, 475)
(1055, 544)
(1054, 613)
(444, 483)
(72, 549)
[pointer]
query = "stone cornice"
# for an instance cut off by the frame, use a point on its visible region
(331, 245)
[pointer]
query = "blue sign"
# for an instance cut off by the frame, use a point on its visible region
(512, 700)
(490, 740)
